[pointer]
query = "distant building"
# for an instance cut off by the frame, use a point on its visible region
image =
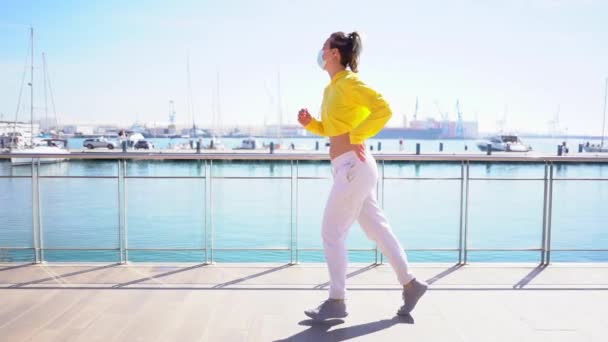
(47, 124)
(158, 131)
(109, 130)
(79, 129)
(286, 131)
(449, 129)
(430, 129)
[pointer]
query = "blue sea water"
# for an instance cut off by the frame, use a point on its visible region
(278, 215)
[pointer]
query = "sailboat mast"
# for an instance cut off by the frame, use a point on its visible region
(279, 104)
(32, 89)
(46, 104)
(190, 99)
(604, 121)
(218, 104)
(48, 86)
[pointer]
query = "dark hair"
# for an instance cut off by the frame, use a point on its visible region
(349, 46)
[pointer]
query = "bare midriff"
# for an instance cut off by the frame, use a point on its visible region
(339, 145)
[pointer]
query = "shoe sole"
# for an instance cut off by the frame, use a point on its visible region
(325, 319)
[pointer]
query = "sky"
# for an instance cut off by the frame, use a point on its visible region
(117, 62)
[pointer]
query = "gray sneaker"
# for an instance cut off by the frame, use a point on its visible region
(328, 309)
(411, 297)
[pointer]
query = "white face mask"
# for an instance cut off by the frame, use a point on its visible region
(320, 60)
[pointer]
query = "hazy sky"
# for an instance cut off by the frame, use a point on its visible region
(118, 61)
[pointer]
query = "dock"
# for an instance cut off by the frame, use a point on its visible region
(265, 302)
(266, 155)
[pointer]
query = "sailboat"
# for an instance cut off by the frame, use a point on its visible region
(42, 146)
(600, 147)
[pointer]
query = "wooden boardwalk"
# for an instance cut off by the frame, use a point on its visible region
(264, 302)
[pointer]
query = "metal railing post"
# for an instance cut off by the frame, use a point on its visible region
(120, 211)
(465, 243)
(39, 214)
(461, 224)
(549, 215)
(212, 261)
(35, 212)
(297, 211)
(205, 212)
(125, 216)
(291, 208)
(377, 252)
(543, 249)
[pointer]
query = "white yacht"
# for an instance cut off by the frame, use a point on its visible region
(503, 143)
(43, 146)
(249, 144)
(593, 148)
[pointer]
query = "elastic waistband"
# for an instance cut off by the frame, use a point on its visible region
(344, 157)
(351, 156)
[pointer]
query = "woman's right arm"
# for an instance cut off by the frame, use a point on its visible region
(311, 124)
(315, 126)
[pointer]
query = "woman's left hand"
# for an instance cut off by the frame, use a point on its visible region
(360, 151)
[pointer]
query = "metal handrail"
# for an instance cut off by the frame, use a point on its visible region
(463, 161)
(588, 158)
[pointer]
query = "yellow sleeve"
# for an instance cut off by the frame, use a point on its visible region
(315, 126)
(380, 112)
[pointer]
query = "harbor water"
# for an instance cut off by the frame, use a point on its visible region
(257, 205)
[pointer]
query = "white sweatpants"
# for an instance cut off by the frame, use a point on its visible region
(353, 197)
